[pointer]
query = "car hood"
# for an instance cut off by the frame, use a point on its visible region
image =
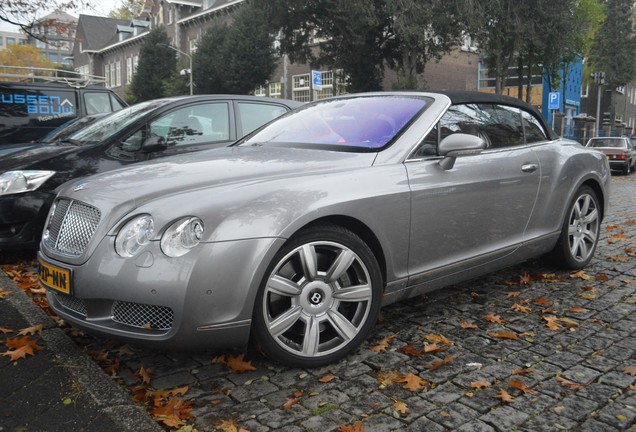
(219, 167)
(22, 156)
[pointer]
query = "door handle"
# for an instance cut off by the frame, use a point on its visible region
(529, 167)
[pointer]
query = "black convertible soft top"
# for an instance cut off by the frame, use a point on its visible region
(462, 97)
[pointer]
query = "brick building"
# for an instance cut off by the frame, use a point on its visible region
(110, 47)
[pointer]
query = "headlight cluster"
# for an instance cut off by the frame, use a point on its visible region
(134, 235)
(176, 241)
(14, 182)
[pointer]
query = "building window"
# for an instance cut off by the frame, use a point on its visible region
(170, 15)
(327, 85)
(300, 88)
(1, 41)
(259, 91)
(276, 90)
(10, 40)
(193, 46)
(118, 73)
(107, 75)
(129, 70)
(135, 64)
(112, 75)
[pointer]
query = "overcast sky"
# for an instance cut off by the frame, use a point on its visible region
(97, 7)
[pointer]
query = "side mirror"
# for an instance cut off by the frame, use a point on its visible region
(459, 144)
(154, 143)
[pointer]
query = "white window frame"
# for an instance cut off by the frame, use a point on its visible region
(301, 90)
(118, 73)
(112, 75)
(260, 91)
(276, 90)
(129, 70)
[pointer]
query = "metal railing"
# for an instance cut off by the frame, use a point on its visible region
(28, 74)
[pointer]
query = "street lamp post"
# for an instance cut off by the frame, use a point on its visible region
(185, 54)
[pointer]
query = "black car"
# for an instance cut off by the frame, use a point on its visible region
(59, 134)
(29, 178)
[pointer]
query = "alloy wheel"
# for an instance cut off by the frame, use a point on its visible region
(317, 299)
(583, 227)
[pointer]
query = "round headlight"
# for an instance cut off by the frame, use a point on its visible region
(182, 236)
(134, 235)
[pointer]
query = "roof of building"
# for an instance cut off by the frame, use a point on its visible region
(58, 16)
(97, 32)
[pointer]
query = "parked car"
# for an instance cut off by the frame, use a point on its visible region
(302, 230)
(619, 150)
(29, 111)
(29, 178)
(56, 135)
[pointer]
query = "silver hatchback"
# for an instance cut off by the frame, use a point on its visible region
(299, 232)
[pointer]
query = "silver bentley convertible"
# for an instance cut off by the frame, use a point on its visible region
(298, 233)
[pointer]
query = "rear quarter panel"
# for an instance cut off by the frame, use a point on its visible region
(565, 167)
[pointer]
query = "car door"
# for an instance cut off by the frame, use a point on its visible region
(477, 211)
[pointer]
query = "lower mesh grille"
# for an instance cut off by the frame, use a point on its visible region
(143, 315)
(72, 303)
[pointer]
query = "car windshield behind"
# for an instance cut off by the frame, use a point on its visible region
(358, 123)
(106, 127)
(69, 128)
(608, 142)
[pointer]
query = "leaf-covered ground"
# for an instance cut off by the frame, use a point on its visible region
(528, 348)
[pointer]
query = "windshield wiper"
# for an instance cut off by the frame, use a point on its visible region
(70, 141)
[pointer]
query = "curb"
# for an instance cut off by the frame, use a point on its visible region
(110, 399)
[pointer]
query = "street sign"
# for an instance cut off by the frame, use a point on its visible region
(554, 100)
(316, 80)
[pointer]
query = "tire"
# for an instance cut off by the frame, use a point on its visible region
(319, 299)
(628, 168)
(580, 232)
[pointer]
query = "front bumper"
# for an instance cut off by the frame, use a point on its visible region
(22, 218)
(202, 300)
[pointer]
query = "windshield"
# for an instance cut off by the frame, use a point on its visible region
(69, 128)
(367, 123)
(106, 127)
(607, 142)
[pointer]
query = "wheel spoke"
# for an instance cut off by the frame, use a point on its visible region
(283, 322)
(585, 205)
(589, 236)
(591, 217)
(342, 325)
(340, 265)
(356, 293)
(283, 286)
(574, 247)
(309, 262)
(312, 337)
(583, 250)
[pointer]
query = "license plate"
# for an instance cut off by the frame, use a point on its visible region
(54, 277)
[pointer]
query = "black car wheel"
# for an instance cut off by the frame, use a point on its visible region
(579, 235)
(319, 299)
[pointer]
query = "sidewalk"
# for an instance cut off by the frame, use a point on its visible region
(59, 388)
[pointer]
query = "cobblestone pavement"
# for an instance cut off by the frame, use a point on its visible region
(578, 376)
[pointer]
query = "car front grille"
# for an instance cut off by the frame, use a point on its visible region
(143, 315)
(72, 303)
(71, 226)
